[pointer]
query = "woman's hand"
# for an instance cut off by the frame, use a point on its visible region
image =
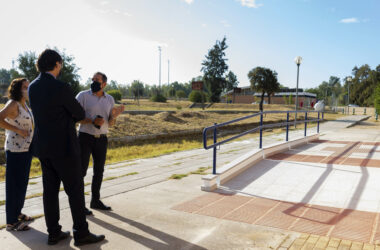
(22, 132)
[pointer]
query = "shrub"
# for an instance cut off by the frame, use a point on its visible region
(158, 98)
(196, 96)
(115, 93)
(180, 94)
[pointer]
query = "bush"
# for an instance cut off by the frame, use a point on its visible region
(196, 96)
(180, 94)
(158, 98)
(115, 93)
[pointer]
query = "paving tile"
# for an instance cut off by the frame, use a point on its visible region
(198, 203)
(297, 244)
(371, 163)
(357, 246)
(316, 220)
(310, 242)
(376, 238)
(283, 216)
(368, 247)
(352, 161)
(313, 158)
(223, 206)
(322, 243)
(334, 243)
(345, 244)
(252, 210)
(333, 160)
(354, 225)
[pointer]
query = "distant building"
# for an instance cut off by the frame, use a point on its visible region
(284, 96)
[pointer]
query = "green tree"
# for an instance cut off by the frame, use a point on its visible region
(197, 96)
(214, 68)
(115, 93)
(27, 65)
(180, 94)
(137, 89)
(263, 80)
(69, 73)
(377, 98)
(231, 81)
(158, 98)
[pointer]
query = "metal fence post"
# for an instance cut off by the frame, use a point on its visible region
(318, 124)
(214, 152)
(287, 126)
(305, 123)
(261, 130)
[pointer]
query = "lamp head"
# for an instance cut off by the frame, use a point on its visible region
(298, 60)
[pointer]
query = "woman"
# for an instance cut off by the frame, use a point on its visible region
(17, 120)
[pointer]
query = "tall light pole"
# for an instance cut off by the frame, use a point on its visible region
(298, 61)
(349, 79)
(168, 72)
(159, 69)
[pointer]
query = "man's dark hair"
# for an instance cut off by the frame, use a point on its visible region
(47, 60)
(104, 77)
(14, 89)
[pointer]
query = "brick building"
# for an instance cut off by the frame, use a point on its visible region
(284, 96)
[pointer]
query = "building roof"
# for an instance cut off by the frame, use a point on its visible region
(282, 92)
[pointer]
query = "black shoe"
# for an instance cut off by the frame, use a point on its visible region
(89, 239)
(87, 211)
(99, 205)
(52, 240)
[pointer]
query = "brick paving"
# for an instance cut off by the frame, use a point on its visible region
(320, 221)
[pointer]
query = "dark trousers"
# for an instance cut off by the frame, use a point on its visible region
(97, 147)
(16, 182)
(69, 171)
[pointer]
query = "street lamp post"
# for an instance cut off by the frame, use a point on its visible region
(159, 69)
(298, 61)
(349, 79)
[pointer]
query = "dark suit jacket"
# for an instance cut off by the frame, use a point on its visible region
(55, 112)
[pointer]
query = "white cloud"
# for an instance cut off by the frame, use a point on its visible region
(225, 23)
(188, 1)
(204, 25)
(350, 20)
(104, 2)
(250, 3)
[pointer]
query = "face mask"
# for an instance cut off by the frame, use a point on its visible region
(95, 86)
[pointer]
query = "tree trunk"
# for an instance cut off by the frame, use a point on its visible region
(261, 102)
(269, 98)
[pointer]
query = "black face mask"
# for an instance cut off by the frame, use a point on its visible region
(95, 86)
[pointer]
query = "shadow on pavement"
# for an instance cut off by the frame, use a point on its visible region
(171, 242)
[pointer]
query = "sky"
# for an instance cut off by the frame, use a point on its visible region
(121, 37)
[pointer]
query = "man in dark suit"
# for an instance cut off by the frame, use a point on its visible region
(55, 111)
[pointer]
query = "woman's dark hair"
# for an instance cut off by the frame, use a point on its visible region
(14, 90)
(47, 60)
(104, 77)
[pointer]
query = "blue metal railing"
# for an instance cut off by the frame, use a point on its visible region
(260, 128)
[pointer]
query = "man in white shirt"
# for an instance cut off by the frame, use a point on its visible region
(100, 115)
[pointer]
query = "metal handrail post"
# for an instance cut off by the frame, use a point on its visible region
(318, 124)
(214, 153)
(305, 123)
(261, 130)
(287, 126)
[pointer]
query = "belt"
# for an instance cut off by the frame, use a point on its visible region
(100, 136)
